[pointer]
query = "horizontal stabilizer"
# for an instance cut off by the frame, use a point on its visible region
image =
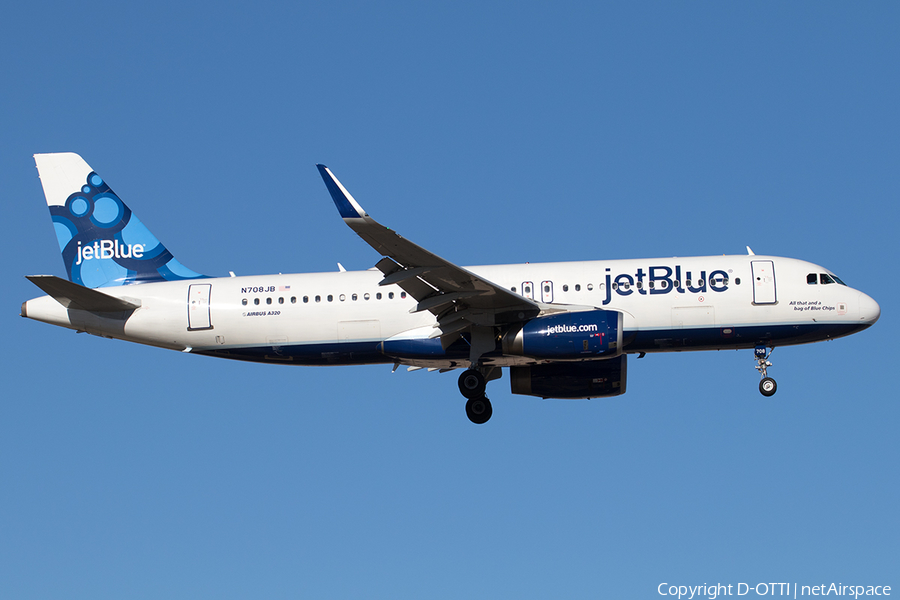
(72, 295)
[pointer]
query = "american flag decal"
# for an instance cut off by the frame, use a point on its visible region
(284, 288)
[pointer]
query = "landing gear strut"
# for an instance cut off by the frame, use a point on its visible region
(767, 385)
(472, 384)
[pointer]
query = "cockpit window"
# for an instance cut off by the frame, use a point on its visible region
(825, 278)
(812, 279)
(839, 281)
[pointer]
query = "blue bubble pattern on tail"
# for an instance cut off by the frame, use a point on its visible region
(103, 244)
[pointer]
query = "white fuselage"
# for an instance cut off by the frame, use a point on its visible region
(696, 303)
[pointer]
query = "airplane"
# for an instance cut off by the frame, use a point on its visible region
(564, 329)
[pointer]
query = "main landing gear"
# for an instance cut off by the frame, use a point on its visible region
(767, 385)
(472, 384)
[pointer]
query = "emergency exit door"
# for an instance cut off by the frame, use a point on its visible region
(763, 282)
(198, 306)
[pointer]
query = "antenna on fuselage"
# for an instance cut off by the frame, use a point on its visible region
(750, 252)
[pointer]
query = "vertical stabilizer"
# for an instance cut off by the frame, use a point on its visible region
(102, 243)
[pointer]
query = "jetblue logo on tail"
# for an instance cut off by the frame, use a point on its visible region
(104, 244)
(109, 249)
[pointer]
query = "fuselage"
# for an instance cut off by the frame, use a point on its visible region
(672, 304)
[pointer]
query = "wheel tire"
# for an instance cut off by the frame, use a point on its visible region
(471, 384)
(479, 410)
(767, 386)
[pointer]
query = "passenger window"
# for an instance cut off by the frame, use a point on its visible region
(318, 298)
(677, 284)
(293, 299)
(268, 301)
(512, 289)
(687, 282)
(737, 281)
(365, 296)
(565, 287)
(305, 299)
(577, 287)
(330, 298)
(244, 302)
(811, 279)
(256, 301)
(281, 301)
(615, 285)
(590, 286)
(354, 297)
(390, 295)
(403, 294)
(378, 296)
(640, 285)
(342, 297)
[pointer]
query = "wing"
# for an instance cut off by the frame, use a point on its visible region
(458, 298)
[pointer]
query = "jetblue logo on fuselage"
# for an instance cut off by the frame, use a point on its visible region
(662, 280)
(108, 249)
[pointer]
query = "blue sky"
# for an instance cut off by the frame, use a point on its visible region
(490, 133)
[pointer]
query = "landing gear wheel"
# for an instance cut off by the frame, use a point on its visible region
(472, 384)
(767, 386)
(479, 410)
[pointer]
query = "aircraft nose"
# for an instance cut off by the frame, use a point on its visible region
(869, 311)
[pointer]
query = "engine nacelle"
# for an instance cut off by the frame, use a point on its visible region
(590, 379)
(567, 336)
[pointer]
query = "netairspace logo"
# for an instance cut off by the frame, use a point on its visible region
(793, 590)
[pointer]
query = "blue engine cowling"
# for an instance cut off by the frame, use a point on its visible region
(568, 380)
(567, 336)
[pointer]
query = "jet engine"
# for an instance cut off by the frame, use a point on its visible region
(582, 335)
(569, 380)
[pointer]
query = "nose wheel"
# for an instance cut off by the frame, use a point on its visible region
(767, 385)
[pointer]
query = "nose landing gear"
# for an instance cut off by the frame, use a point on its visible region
(767, 385)
(472, 384)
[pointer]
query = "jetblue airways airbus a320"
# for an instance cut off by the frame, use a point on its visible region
(564, 330)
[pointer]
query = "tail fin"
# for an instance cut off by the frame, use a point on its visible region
(102, 243)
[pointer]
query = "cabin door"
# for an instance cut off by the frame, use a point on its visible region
(198, 306)
(763, 282)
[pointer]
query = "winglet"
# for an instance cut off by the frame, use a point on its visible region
(346, 205)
